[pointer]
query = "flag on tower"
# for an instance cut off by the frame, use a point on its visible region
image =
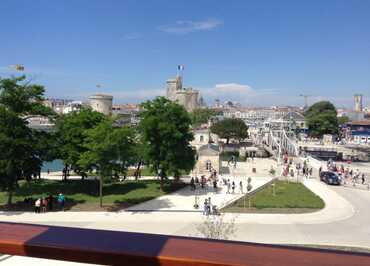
(180, 67)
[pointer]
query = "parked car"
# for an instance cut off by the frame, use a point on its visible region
(330, 178)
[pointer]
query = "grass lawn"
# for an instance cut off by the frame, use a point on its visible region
(289, 198)
(145, 171)
(83, 195)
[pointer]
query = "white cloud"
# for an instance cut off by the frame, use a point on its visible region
(241, 93)
(233, 88)
(188, 26)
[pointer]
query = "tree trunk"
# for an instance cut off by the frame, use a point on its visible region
(65, 172)
(177, 177)
(161, 175)
(10, 197)
(101, 191)
(161, 182)
(137, 172)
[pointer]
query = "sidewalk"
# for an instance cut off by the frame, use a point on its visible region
(184, 199)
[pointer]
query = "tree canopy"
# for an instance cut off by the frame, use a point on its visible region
(202, 116)
(22, 148)
(343, 120)
(230, 128)
(321, 119)
(166, 135)
(71, 132)
(109, 150)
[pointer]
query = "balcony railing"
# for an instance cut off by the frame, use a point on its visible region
(124, 248)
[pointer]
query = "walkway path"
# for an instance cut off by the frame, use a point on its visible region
(184, 199)
(343, 221)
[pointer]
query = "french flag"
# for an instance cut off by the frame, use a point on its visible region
(180, 67)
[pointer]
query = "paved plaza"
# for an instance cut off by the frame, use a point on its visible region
(343, 221)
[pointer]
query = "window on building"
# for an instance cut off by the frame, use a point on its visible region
(208, 165)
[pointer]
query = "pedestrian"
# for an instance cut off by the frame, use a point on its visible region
(311, 170)
(61, 201)
(233, 187)
(48, 171)
(205, 207)
(50, 202)
(37, 205)
(228, 186)
(44, 204)
(215, 184)
(363, 178)
(209, 205)
(192, 184)
(241, 187)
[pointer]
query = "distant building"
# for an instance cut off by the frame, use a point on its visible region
(187, 97)
(289, 121)
(125, 109)
(256, 117)
(127, 114)
(203, 137)
(72, 107)
(358, 103)
(101, 103)
(57, 105)
(351, 114)
(359, 132)
(208, 159)
(40, 123)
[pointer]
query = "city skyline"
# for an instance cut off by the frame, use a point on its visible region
(258, 55)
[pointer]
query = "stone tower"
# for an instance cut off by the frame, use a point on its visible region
(173, 86)
(358, 102)
(101, 103)
(187, 97)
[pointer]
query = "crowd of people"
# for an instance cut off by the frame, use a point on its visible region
(345, 173)
(209, 209)
(45, 204)
(299, 169)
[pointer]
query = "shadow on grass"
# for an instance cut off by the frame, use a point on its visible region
(71, 187)
(82, 195)
(20, 207)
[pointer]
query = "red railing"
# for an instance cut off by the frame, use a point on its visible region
(124, 248)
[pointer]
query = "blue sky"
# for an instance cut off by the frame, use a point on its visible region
(255, 52)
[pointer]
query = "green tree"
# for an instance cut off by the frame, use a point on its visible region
(166, 135)
(22, 148)
(71, 134)
(343, 120)
(109, 150)
(321, 119)
(202, 116)
(230, 128)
